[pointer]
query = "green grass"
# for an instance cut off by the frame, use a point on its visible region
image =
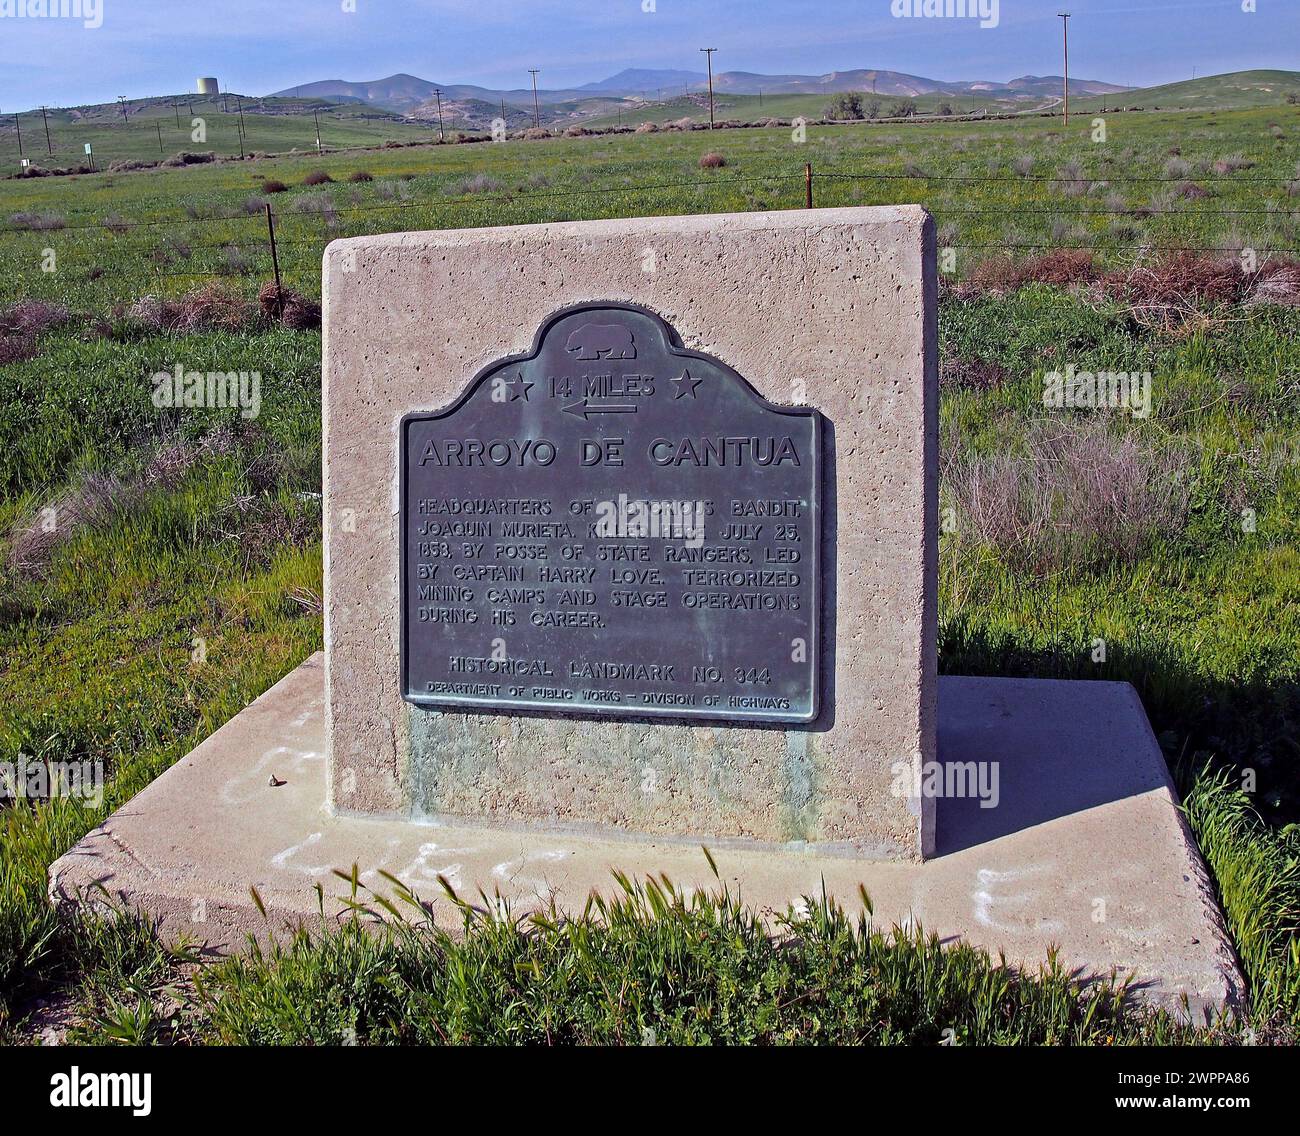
(654, 965)
(209, 535)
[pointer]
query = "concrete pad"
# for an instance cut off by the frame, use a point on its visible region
(1086, 849)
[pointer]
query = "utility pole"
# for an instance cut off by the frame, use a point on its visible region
(240, 105)
(176, 111)
(708, 54)
(316, 118)
(121, 103)
(537, 114)
(438, 91)
(19, 127)
(45, 119)
(158, 124)
(1065, 32)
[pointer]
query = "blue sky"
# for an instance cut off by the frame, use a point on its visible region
(148, 47)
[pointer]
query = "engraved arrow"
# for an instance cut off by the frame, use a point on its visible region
(585, 409)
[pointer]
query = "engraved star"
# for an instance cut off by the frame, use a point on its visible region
(518, 388)
(684, 385)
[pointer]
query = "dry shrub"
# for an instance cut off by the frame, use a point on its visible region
(712, 161)
(234, 261)
(294, 309)
(100, 496)
(1277, 282)
(1061, 267)
(576, 131)
(22, 322)
(126, 165)
(270, 185)
(319, 202)
(647, 128)
(1070, 181)
(188, 158)
(1190, 191)
(317, 177)
(536, 133)
(361, 175)
(1079, 494)
(32, 317)
(479, 183)
(212, 307)
(37, 222)
(262, 525)
(16, 348)
(1179, 280)
(1231, 165)
(971, 374)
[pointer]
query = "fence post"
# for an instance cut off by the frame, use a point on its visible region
(807, 185)
(275, 263)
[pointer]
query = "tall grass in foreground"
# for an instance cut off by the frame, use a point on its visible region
(655, 965)
(1258, 878)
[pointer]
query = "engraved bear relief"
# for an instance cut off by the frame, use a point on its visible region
(601, 341)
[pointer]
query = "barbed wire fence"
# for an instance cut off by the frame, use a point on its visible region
(271, 230)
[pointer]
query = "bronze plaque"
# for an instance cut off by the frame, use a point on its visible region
(612, 525)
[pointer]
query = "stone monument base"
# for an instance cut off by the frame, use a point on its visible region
(1085, 850)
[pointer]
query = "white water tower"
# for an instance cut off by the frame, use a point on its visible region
(209, 86)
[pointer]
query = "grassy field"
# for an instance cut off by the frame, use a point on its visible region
(183, 574)
(1225, 180)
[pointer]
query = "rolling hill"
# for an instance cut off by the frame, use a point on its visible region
(403, 93)
(1214, 92)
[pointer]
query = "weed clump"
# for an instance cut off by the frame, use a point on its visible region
(37, 221)
(190, 158)
(288, 307)
(1077, 494)
(479, 183)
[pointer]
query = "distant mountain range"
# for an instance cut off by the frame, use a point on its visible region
(406, 92)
